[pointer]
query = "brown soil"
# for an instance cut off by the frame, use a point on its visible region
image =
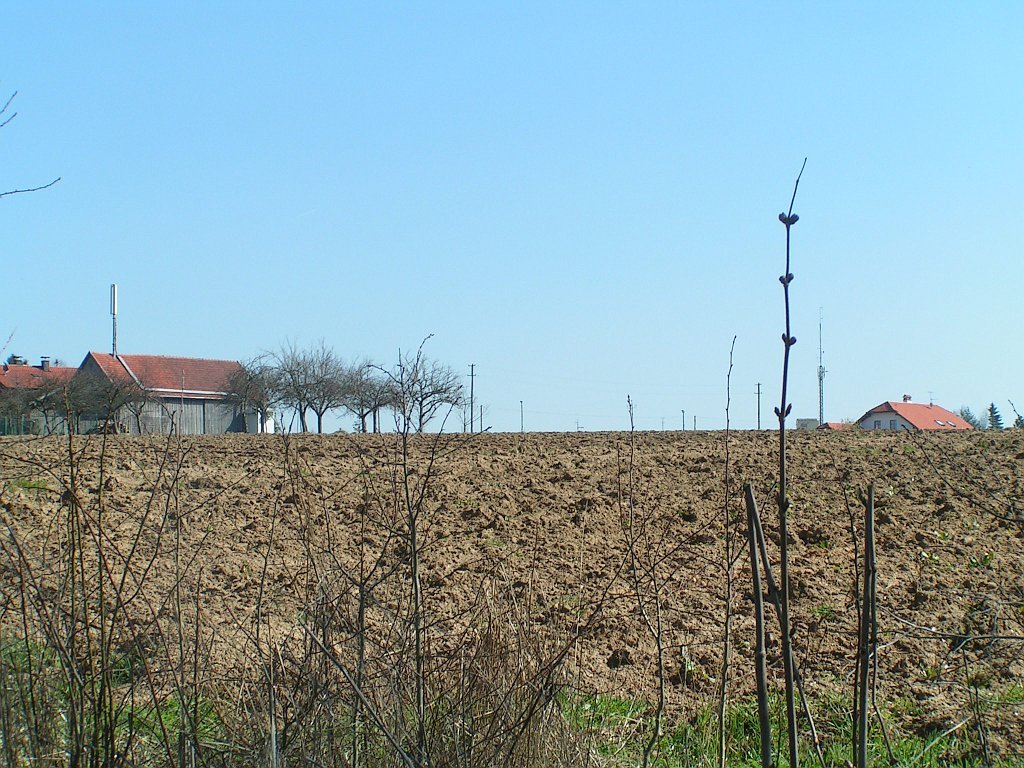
(539, 522)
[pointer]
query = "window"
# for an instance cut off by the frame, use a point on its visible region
(878, 423)
(952, 424)
(892, 423)
(940, 422)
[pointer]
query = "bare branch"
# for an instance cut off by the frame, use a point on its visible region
(31, 189)
(6, 105)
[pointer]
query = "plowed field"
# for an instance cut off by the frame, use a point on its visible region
(602, 542)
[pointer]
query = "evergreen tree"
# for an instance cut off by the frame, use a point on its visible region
(968, 415)
(995, 420)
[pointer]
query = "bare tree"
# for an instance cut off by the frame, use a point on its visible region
(325, 381)
(90, 396)
(428, 386)
(306, 380)
(253, 386)
(49, 400)
(366, 392)
(287, 370)
(14, 405)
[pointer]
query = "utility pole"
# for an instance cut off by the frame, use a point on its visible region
(759, 405)
(480, 425)
(522, 422)
(694, 423)
(684, 420)
(471, 375)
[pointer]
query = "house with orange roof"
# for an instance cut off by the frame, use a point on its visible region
(835, 426)
(27, 405)
(907, 415)
(157, 392)
(139, 394)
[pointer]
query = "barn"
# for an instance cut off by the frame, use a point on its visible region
(192, 394)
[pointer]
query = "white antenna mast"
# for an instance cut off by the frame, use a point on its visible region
(821, 375)
(113, 315)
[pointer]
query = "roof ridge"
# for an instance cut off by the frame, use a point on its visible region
(128, 368)
(170, 357)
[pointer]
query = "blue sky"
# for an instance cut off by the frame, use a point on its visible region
(579, 198)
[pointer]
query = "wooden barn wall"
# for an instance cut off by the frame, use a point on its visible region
(190, 417)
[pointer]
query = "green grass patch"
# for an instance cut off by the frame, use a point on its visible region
(29, 483)
(619, 730)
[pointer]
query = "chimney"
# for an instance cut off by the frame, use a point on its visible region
(44, 363)
(906, 398)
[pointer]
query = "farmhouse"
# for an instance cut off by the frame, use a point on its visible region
(906, 415)
(157, 392)
(834, 426)
(28, 405)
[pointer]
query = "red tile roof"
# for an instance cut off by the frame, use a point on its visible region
(921, 416)
(193, 377)
(835, 425)
(33, 376)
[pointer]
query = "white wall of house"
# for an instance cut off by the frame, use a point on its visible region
(256, 424)
(886, 421)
